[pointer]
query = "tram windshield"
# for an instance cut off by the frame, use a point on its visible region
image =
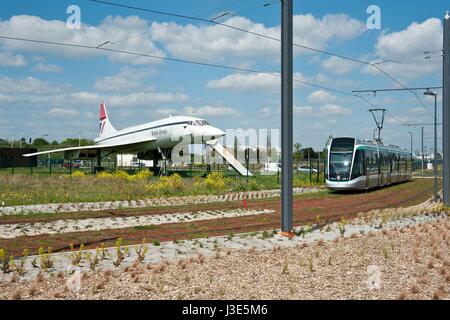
(340, 165)
(341, 155)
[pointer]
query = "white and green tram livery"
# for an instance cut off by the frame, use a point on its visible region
(354, 164)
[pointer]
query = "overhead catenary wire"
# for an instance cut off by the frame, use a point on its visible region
(220, 8)
(404, 87)
(183, 61)
(375, 65)
(182, 16)
(206, 64)
(151, 56)
(212, 19)
(235, 14)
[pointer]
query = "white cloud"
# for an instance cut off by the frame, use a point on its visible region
(144, 99)
(47, 67)
(162, 113)
(242, 82)
(406, 48)
(303, 110)
(37, 92)
(84, 98)
(418, 111)
(209, 111)
(265, 112)
(321, 97)
(4, 98)
(62, 112)
(110, 29)
(29, 85)
(333, 109)
(338, 66)
(9, 59)
(125, 80)
(215, 42)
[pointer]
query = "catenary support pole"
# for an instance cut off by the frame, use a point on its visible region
(286, 116)
(446, 110)
(423, 159)
(435, 169)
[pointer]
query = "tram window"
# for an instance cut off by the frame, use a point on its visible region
(358, 165)
(384, 161)
(371, 161)
(403, 165)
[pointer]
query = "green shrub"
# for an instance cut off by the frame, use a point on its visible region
(167, 185)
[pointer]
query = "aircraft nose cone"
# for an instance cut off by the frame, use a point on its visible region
(211, 133)
(218, 132)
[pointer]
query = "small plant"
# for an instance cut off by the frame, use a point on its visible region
(266, 235)
(141, 251)
(120, 255)
(341, 225)
(317, 254)
(104, 253)
(156, 243)
(386, 252)
(93, 260)
(4, 261)
(76, 256)
(78, 174)
(20, 268)
(311, 264)
(45, 261)
(285, 266)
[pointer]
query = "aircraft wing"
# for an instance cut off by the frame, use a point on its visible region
(132, 145)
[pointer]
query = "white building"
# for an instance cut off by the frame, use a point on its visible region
(131, 160)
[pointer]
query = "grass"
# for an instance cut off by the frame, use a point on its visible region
(25, 189)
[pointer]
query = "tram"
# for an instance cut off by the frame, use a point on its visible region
(355, 164)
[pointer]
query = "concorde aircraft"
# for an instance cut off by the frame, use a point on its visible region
(150, 141)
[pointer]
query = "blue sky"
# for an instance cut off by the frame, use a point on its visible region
(57, 91)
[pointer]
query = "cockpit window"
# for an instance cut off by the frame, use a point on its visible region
(199, 123)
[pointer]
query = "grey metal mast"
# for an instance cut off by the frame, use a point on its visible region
(286, 116)
(379, 123)
(446, 110)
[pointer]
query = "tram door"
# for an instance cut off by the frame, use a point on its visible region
(390, 168)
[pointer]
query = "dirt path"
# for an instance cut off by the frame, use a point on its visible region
(308, 209)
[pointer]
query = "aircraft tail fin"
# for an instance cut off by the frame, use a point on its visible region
(105, 129)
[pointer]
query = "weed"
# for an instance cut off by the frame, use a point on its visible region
(311, 264)
(93, 260)
(76, 256)
(20, 268)
(120, 255)
(104, 253)
(45, 261)
(386, 252)
(341, 226)
(285, 266)
(141, 251)
(156, 243)
(4, 261)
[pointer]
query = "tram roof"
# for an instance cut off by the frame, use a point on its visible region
(371, 143)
